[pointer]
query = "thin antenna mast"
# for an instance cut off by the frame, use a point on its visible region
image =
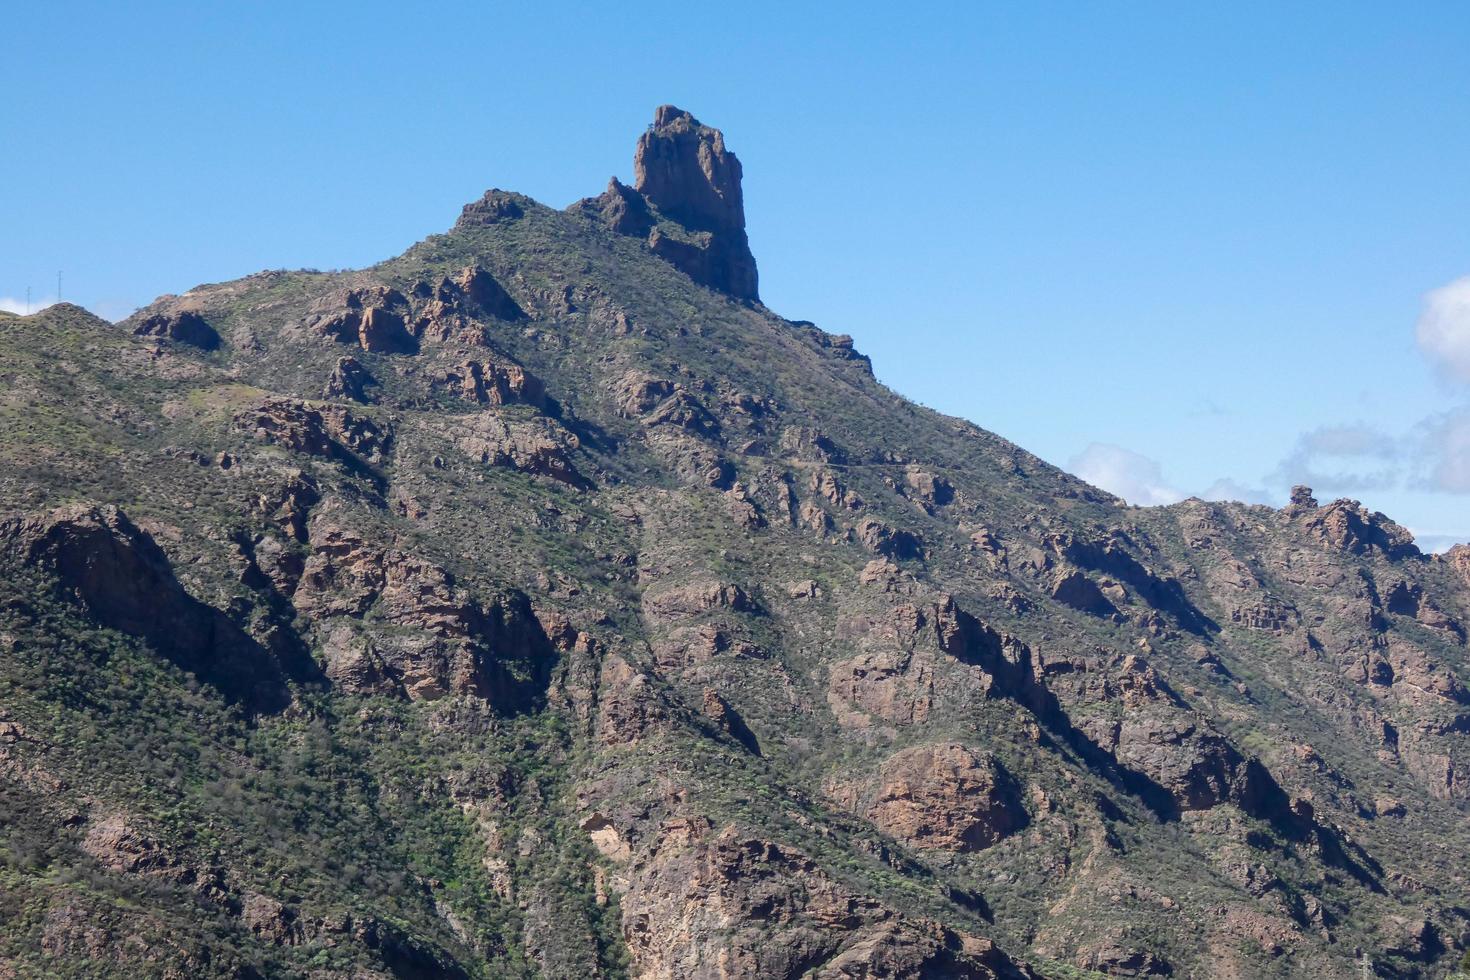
(58, 285)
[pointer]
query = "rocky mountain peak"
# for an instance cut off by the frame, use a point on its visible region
(682, 166)
(533, 604)
(684, 170)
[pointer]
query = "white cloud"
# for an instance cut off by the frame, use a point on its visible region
(1447, 453)
(1343, 458)
(10, 305)
(1134, 477)
(1443, 332)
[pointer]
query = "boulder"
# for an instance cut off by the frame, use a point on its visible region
(1075, 589)
(889, 541)
(538, 446)
(494, 382)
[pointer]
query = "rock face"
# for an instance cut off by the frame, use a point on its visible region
(102, 561)
(184, 326)
(684, 170)
(442, 641)
(946, 797)
(373, 317)
(349, 380)
(777, 915)
(537, 446)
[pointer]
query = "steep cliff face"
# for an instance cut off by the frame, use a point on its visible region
(687, 201)
(536, 603)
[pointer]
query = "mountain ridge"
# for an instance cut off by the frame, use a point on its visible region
(560, 610)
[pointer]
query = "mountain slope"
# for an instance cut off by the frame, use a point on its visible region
(538, 603)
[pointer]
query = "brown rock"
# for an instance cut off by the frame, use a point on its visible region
(620, 208)
(270, 920)
(948, 797)
(485, 291)
(733, 904)
(889, 541)
(684, 170)
(928, 487)
(697, 597)
(1347, 525)
(629, 708)
(494, 382)
(1075, 589)
(183, 326)
(118, 845)
(372, 316)
(1458, 558)
(438, 640)
(893, 686)
(539, 446)
(495, 207)
(1301, 496)
(349, 380)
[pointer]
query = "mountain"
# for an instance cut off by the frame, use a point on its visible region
(539, 603)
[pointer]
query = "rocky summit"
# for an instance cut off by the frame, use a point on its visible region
(538, 603)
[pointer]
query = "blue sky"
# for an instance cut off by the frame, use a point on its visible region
(1164, 245)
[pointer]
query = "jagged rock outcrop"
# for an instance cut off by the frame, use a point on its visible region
(440, 640)
(948, 797)
(538, 446)
(707, 904)
(329, 431)
(183, 326)
(494, 382)
(1458, 559)
(374, 317)
(621, 208)
(1349, 526)
(452, 309)
(683, 169)
(349, 380)
(495, 207)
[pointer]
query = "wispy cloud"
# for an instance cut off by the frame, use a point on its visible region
(1140, 479)
(1132, 476)
(1345, 458)
(1444, 453)
(11, 305)
(1443, 331)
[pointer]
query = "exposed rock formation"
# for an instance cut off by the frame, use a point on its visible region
(777, 915)
(349, 380)
(184, 326)
(683, 170)
(101, 560)
(489, 382)
(946, 796)
(373, 317)
(443, 641)
(537, 446)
